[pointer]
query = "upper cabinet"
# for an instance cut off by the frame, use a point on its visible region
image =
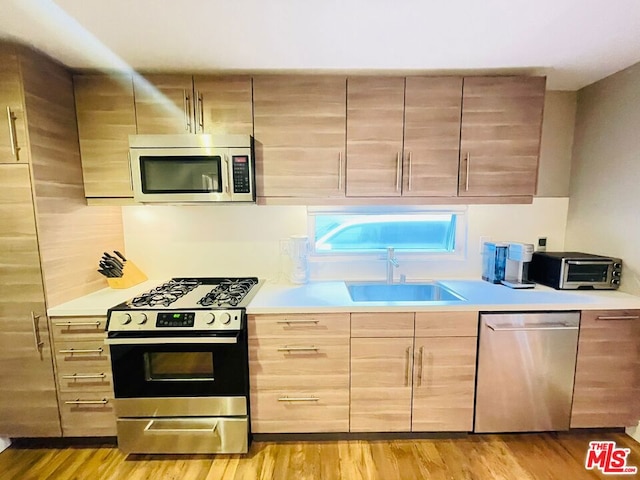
(299, 124)
(500, 135)
(13, 137)
(106, 117)
(176, 104)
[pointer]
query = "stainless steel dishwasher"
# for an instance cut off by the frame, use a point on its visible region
(526, 365)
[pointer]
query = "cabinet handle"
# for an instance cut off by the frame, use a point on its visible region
(339, 170)
(619, 317)
(35, 323)
(130, 172)
(409, 162)
(466, 184)
(298, 399)
(420, 366)
(311, 348)
(104, 401)
(408, 372)
(79, 350)
(298, 321)
(200, 110)
(187, 110)
(75, 376)
(78, 324)
(397, 171)
(12, 133)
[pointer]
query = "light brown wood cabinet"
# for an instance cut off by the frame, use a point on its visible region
(300, 134)
(13, 139)
(175, 104)
(500, 136)
(421, 380)
(299, 373)
(606, 391)
(83, 376)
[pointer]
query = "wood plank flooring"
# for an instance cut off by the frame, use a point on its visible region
(478, 457)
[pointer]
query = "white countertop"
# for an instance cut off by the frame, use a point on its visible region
(316, 297)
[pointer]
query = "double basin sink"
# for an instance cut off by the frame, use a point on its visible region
(402, 292)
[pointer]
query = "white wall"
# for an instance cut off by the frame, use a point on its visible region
(166, 241)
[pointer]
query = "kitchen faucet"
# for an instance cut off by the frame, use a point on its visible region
(392, 262)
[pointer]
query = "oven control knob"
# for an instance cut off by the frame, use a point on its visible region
(616, 274)
(142, 319)
(125, 319)
(225, 318)
(211, 319)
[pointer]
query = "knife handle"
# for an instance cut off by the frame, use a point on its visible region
(120, 255)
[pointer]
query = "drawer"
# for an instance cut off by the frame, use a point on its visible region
(87, 415)
(300, 411)
(446, 324)
(82, 355)
(299, 362)
(78, 328)
(299, 325)
(74, 378)
(382, 325)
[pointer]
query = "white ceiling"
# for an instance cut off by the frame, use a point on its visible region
(573, 42)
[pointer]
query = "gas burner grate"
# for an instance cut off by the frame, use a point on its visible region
(165, 294)
(228, 292)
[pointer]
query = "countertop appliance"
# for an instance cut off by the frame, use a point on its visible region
(517, 265)
(494, 261)
(180, 367)
(192, 168)
(526, 365)
(575, 270)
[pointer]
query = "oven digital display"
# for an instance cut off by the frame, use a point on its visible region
(175, 319)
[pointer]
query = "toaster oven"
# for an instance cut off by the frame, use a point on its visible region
(575, 270)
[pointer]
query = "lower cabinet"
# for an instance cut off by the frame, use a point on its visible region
(607, 383)
(83, 377)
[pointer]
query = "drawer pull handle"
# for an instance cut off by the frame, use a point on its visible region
(104, 401)
(619, 317)
(287, 322)
(298, 399)
(78, 324)
(84, 375)
(150, 427)
(79, 350)
(311, 348)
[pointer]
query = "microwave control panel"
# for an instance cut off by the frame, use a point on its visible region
(241, 175)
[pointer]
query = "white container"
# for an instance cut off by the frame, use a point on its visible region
(298, 252)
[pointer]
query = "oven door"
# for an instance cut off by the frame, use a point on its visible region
(162, 366)
(587, 274)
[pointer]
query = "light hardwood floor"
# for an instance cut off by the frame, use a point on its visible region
(478, 457)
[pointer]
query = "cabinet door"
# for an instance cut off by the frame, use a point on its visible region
(500, 135)
(381, 384)
(300, 132)
(223, 104)
(444, 384)
(106, 117)
(432, 136)
(28, 404)
(164, 104)
(13, 136)
(375, 107)
(606, 392)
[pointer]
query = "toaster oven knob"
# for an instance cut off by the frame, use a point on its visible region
(616, 274)
(125, 319)
(225, 318)
(211, 319)
(142, 319)
(615, 281)
(617, 265)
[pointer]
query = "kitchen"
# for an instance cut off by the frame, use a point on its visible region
(565, 209)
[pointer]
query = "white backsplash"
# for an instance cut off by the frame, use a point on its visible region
(244, 240)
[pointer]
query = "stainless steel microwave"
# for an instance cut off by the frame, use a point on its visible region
(192, 168)
(575, 270)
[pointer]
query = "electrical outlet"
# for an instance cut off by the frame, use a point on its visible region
(541, 245)
(482, 242)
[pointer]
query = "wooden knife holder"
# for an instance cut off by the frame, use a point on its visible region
(131, 275)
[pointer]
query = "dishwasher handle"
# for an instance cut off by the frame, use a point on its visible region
(505, 327)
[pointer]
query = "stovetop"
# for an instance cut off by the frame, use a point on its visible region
(195, 293)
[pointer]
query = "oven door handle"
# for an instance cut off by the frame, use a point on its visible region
(171, 341)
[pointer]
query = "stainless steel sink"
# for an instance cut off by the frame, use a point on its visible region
(401, 292)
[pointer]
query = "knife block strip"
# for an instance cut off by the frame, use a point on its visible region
(131, 275)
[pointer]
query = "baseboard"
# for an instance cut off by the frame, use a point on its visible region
(634, 432)
(4, 443)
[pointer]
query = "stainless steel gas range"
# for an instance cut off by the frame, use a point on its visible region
(180, 367)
